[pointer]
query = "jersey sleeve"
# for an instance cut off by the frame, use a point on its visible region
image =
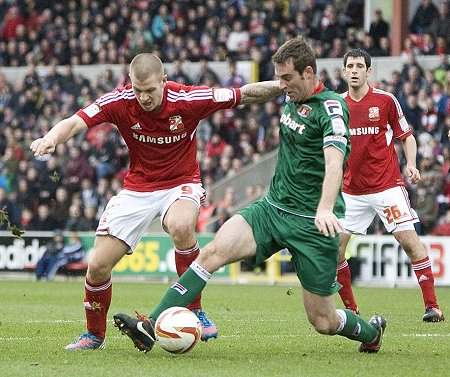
(100, 110)
(336, 119)
(206, 100)
(93, 114)
(397, 120)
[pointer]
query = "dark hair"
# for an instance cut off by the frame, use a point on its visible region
(299, 51)
(358, 53)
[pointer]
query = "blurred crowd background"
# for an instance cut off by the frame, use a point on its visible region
(70, 188)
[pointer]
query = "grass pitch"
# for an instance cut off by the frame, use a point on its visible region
(263, 331)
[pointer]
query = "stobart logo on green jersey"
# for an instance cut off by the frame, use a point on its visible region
(292, 124)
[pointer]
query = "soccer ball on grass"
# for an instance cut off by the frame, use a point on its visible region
(177, 330)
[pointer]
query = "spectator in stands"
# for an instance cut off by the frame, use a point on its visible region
(313, 14)
(416, 79)
(440, 99)
(215, 147)
(221, 171)
(88, 221)
(430, 117)
(369, 46)
(425, 205)
(234, 78)
(379, 27)
(50, 176)
(444, 138)
(106, 81)
(440, 71)
(103, 155)
(440, 25)
(58, 254)
(74, 219)
(424, 16)
(89, 195)
(409, 49)
(13, 19)
(329, 28)
(337, 49)
(178, 74)
(44, 220)
(428, 45)
(238, 36)
(162, 23)
(412, 112)
(206, 76)
(78, 168)
(385, 47)
(222, 216)
(337, 82)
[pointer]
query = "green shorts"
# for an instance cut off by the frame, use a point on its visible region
(314, 256)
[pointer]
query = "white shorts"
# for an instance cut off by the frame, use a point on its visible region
(392, 206)
(128, 215)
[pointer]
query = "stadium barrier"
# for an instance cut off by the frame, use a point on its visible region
(380, 260)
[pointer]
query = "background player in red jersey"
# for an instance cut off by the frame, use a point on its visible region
(157, 119)
(373, 184)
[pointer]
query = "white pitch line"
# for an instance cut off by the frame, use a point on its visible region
(427, 335)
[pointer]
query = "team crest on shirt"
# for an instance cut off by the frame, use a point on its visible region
(374, 114)
(176, 124)
(304, 111)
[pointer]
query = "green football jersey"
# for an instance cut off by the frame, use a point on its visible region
(306, 129)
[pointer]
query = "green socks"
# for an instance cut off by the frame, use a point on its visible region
(182, 293)
(356, 328)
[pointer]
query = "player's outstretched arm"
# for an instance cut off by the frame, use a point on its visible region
(60, 133)
(260, 91)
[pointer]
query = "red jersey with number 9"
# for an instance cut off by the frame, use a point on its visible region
(162, 145)
(375, 121)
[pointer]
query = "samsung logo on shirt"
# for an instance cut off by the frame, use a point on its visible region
(159, 140)
(364, 131)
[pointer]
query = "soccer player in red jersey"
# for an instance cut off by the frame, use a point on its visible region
(157, 119)
(373, 184)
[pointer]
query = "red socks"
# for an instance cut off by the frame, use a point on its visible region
(425, 277)
(344, 278)
(96, 304)
(183, 259)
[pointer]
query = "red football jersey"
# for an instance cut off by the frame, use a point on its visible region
(161, 145)
(375, 121)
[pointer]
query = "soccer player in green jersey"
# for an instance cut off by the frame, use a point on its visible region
(300, 212)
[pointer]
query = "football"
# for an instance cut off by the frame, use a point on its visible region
(177, 330)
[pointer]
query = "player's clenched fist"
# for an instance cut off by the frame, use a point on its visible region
(42, 146)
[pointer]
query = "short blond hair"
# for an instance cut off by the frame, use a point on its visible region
(144, 65)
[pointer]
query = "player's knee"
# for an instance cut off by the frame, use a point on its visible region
(98, 270)
(180, 229)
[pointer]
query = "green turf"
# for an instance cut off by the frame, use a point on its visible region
(263, 332)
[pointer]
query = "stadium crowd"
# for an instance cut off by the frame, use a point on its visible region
(70, 188)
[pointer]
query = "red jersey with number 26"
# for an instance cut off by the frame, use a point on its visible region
(375, 121)
(162, 145)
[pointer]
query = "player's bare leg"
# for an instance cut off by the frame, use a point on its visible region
(421, 265)
(344, 275)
